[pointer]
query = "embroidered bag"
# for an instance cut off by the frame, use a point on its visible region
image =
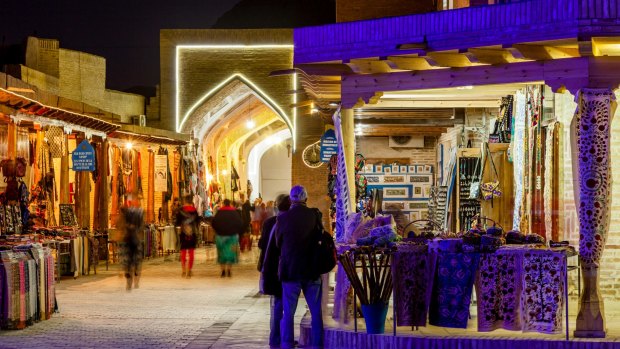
(491, 189)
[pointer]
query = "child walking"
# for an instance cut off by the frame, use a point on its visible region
(187, 219)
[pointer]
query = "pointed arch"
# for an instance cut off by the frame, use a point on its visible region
(261, 95)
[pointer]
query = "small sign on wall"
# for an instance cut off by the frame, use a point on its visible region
(329, 145)
(83, 157)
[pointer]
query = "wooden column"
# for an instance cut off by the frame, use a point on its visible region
(12, 140)
(150, 190)
(63, 187)
(104, 188)
(592, 177)
(348, 137)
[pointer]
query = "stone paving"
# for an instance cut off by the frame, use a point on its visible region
(167, 311)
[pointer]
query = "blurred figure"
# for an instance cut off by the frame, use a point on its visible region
(131, 223)
(270, 209)
(187, 219)
(245, 208)
(268, 266)
(228, 226)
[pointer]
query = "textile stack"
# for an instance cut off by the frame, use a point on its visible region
(26, 286)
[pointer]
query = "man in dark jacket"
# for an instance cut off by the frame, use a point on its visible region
(296, 235)
(269, 260)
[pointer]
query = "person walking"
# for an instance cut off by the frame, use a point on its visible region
(228, 226)
(131, 223)
(268, 266)
(187, 219)
(296, 233)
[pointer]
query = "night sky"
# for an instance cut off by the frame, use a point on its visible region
(126, 33)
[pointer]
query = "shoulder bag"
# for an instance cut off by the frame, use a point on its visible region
(490, 190)
(324, 256)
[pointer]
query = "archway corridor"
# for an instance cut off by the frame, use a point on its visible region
(166, 311)
(239, 130)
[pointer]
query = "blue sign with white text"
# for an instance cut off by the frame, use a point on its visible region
(83, 157)
(329, 145)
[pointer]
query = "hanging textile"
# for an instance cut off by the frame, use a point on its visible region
(543, 291)
(452, 289)
(55, 139)
(518, 156)
(343, 201)
(548, 178)
(498, 288)
(412, 272)
(234, 180)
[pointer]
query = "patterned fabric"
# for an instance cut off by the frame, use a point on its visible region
(518, 156)
(593, 122)
(498, 287)
(343, 201)
(543, 291)
(452, 289)
(548, 189)
(342, 305)
(227, 249)
(412, 272)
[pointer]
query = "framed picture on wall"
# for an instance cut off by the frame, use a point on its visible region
(395, 169)
(418, 193)
(403, 169)
(419, 168)
(369, 168)
(394, 179)
(398, 193)
(393, 205)
(387, 169)
(411, 168)
(415, 215)
(379, 168)
(428, 168)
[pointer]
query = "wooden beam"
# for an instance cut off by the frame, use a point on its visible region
(493, 56)
(571, 73)
(417, 103)
(541, 53)
(330, 69)
(453, 59)
(413, 63)
(371, 66)
(398, 130)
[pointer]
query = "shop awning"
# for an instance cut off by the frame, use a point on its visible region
(13, 102)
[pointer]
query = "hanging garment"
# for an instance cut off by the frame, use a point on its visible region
(452, 288)
(412, 272)
(498, 288)
(543, 291)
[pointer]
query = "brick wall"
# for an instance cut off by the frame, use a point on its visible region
(124, 104)
(353, 10)
(77, 76)
(378, 148)
(43, 55)
(309, 130)
(41, 80)
(201, 70)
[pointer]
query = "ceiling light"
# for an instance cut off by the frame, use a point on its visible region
(224, 172)
(250, 124)
(128, 145)
(466, 87)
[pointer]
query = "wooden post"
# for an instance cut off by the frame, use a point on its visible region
(150, 190)
(12, 140)
(348, 137)
(104, 188)
(592, 174)
(63, 188)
